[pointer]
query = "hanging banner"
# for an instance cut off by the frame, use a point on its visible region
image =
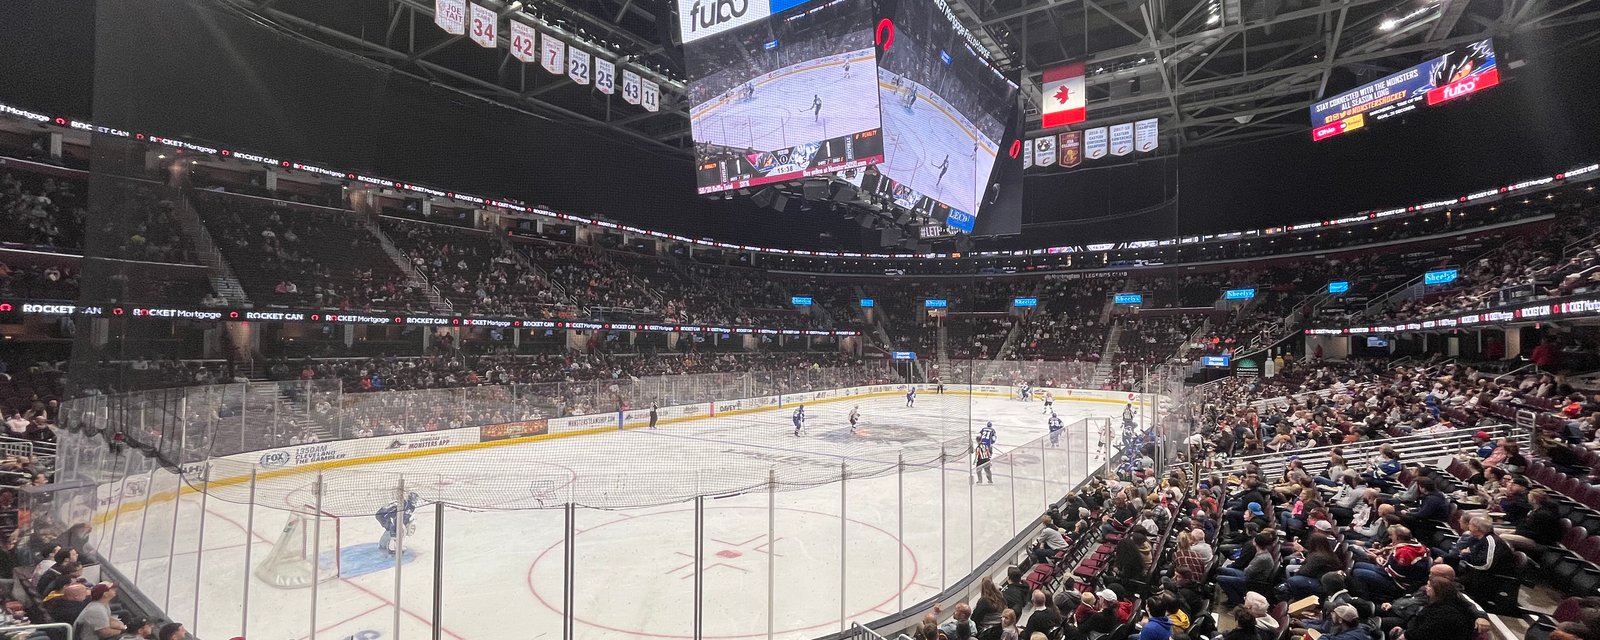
(578, 65)
(650, 95)
(1147, 135)
(630, 87)
(1044, 151)
(484, 23)
(1122, 139)
(1027, 157)
(451, 15)
(605, 76)
(1094, 143)
(1071, 146)
(1063, 96)
(524, 41)
(553, 54)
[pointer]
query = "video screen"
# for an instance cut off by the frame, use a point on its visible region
(945, 110)
(1461, 72)
(786, 96)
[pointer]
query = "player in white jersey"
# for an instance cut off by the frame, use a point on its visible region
(911, 397)
(855, 416)
(799, 419)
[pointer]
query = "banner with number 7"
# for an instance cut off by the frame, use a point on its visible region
(554, 56)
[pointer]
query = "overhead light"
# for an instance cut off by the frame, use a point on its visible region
(1388, 25)
(1214, 19)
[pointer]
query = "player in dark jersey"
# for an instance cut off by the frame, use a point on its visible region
(911, 397)
(652, 416)
(1055, 428)
(816, 108)
(943, 167)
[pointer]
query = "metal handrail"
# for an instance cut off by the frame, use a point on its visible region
(1514, 372)
(50, 626)
(1361, 450)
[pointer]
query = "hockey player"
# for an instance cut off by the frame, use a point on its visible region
(391, 517)
(847, 68)
(943, 167)
(1025, 393)
(652, 416)
(1127, 414)
(855, 416)
(816, 108)
(1049, 403)
(749, 91)
(1055, 428)
(911, 397)
(799, 419)
(987, 435)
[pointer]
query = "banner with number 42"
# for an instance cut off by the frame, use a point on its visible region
(524, 42)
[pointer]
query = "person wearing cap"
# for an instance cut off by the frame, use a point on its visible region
(140, 629)
(1345, 624)
(96, 620)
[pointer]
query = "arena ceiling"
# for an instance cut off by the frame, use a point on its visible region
(1214, 71)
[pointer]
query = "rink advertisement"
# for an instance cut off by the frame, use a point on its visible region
(508, 430)
(374, 446)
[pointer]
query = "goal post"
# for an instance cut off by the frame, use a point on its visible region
(297, 559)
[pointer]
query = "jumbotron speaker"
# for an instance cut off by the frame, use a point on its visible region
(814, 190)
(765, 197)
(844, 192)
(890, 237)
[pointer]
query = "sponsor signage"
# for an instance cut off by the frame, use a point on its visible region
(935, 303)
(1440, 276)
(519, 429)
(905, 355)
(868, 303)
(1215, 361)
(1128, 298)
(1339, 286)
(1025, 302)
(800, 301)
(1239, 294)
(1457, 73)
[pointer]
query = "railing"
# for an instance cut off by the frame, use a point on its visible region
(10, 632)
(1409, 447)
(1515, 371)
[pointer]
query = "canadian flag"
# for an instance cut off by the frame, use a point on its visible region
(1063, 95)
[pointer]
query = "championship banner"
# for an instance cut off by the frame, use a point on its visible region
(509, 430)
(630, 87)
(484, 23)
(1122, 139)
(1063, 96)
(605, 76)
(1044, 151)
(1071, 145)
(578, 65)
(650, 95)
(553, 55)
(1027, 157)
(523, 42)
(1147, 135)
(451, 15)
(1094, 143)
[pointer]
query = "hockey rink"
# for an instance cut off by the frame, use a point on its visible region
(900, 537)
(780, 113)
(918, 139)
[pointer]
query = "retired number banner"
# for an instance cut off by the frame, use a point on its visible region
(484, 23)
(523, 42)
(451, 15)
(554, 55)
(605, 76)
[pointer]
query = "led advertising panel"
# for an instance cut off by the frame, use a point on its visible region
(1441, 276)
(1025, 302)
(1460, 72)
(800, 301)
(1238, 294)
(784, 90)
(1339, 286)
(1128, 298)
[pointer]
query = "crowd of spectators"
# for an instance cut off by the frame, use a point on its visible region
(42, 211)
(306, 256)
(474, 271)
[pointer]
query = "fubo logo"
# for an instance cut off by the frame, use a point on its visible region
(700, 18)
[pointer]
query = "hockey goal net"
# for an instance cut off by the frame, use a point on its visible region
(307, 551)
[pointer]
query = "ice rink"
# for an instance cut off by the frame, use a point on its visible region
(903, 536)
(780, 112)
(918, 138)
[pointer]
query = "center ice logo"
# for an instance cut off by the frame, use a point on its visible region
(700, 18)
